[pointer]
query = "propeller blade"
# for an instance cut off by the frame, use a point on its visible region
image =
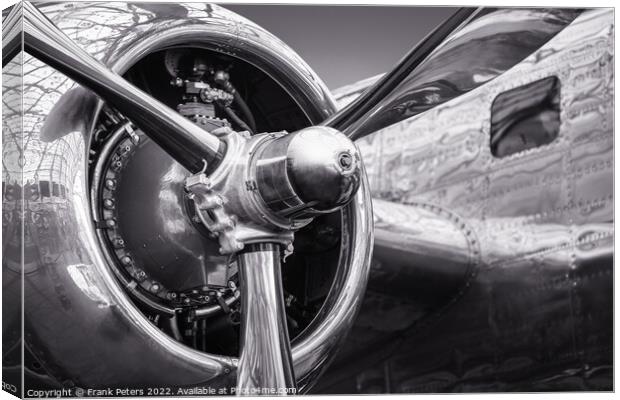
(187, 143)
(265, 362)
(351, 119)
(470, 49)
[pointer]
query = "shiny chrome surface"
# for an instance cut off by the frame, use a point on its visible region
(149, 210)
(535, 232)
(423, 253)
(449, 146)
(348, 119)
(345, 95)
(265, 363)
(315, 348)
(270, 185)
(71, 293)
(535, 312)
(315, 345)
(489, 43)
(187, 143)
(313, 171)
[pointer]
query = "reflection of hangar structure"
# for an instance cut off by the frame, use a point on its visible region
(41, 156)
(37, 169)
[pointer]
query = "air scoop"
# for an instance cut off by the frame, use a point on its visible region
(312, 171)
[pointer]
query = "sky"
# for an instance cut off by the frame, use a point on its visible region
(344, 44)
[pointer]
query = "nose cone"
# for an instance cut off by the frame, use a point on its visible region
(324, 167)
(308, 172)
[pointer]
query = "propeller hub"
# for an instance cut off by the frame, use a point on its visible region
(312, 171)
(270, 185)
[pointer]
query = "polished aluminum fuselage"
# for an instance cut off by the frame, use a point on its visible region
(493, 273)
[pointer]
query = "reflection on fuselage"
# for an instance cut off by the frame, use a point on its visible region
(493, 273)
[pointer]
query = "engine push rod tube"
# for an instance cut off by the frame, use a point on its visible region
(184, 141)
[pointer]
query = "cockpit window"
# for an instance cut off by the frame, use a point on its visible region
(525, 117)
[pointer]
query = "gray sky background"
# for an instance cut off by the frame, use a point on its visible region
(344, 44)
